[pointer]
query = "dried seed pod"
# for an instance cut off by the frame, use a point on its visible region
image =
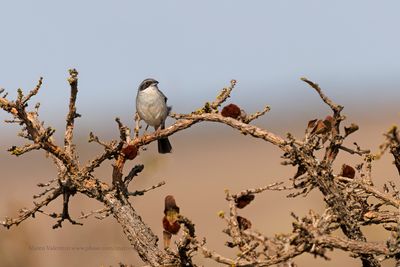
(170, 204)
(348, 171)
(171, 224)
(244, 200)
(244, 223)
(311, 125)
(167, 239)
(170, 221)
(329, 120)
(300, 171)
(130, 152)
(350, 129)
(322, 126)
(231, 110)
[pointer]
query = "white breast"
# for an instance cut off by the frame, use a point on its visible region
(151, 106)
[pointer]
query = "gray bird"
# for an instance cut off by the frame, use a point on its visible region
(151, 105)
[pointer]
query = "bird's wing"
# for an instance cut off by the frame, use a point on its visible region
(165, 98)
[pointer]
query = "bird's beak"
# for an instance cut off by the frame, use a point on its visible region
(155, 83)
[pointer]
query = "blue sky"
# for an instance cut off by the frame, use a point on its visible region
(193, 48)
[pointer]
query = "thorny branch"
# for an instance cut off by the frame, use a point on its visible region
(345, 194)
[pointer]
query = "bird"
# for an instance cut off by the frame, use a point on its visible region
(151, 105)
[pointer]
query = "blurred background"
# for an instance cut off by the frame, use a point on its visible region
(193, 49)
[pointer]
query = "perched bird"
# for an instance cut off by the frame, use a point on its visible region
(151, 105)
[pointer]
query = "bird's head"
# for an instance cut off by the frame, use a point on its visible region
(147, 83)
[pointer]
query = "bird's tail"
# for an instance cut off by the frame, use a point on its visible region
(164, 146)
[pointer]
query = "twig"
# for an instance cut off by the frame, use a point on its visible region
(256, 115)
(134, 172)
(73, 82)
(372, 248)
(18, 151)
(247, 251)
(274, 187)
(65, 213)
(380, 217)
(336, 108)
(46, 191)
(352, 151)
(124, 131)
(111, 150)
(142, 192)
(376, 193)
(223, 96)
(25, 214)
(216, 257)
(33, 92)
(93, 212)
(96, 139)
(48, 183)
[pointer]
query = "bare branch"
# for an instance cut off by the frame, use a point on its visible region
(33, 92)
(35, 130)
(69, 130)
(48, 183)
(94, 212)
(25, 213)
(134, 172)
(188, 120)
(65, 212)
(274, 187)
(393, 138)
(142, 192)
(111, 150)
(380, 217)
(124, 131)
(46, 191)
(223, 96)
(216, 257)
(352, 151)
(373, 248)
(250, 118)
(336, 108)
(388, 199)
(18, 151)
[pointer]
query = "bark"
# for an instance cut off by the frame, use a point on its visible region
(138, 233)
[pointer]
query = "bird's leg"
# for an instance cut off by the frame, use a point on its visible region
(145, 130)
(159, 128)
(144, 148)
